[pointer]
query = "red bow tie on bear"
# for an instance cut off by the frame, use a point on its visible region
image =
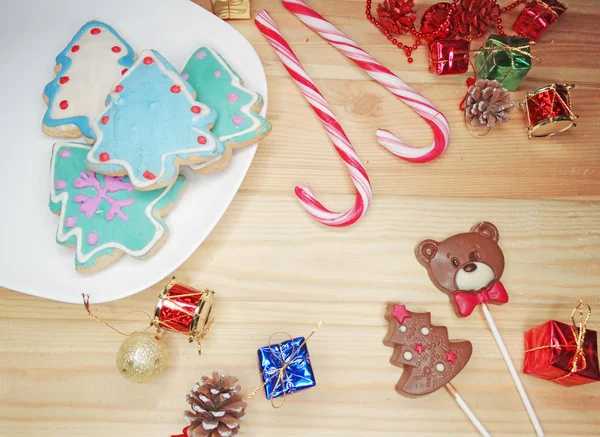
(466, 302)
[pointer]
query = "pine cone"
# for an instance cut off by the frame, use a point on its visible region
(397, 16)
(473, 17)
(217, 408)
(488, 103)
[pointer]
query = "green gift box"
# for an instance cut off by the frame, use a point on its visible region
(506, 59)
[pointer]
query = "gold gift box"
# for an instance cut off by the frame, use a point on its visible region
(231, 9)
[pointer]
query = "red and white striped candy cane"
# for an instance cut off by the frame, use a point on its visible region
(422, 106)
(342, 145)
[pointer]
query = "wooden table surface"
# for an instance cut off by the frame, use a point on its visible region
(276, 269)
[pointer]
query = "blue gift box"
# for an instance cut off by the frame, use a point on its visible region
(291, 356)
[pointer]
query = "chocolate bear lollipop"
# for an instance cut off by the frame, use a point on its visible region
(467, 267)
(429, 358)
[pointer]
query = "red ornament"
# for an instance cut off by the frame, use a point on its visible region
(201, 139)
(148, 60)
(472, 17)
(119, 88)
(548, 110)
(537, 17)
(75, 48)
(195, 109)
(451, 356)
(175, 89)
(149, 175)
(449, 56)
(181, 308)
(397, 16)
(104, 157)
(419, 348)
(124, 70)
(63, 80)
(566, 354)
(435, 22)
(116, 49)
(95, 31)
(63, 104)
(105, 119)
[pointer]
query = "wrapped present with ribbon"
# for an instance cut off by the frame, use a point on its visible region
(537, 17)
(449, 56)
(231, 9)
(506, 59)
(562, 353)
(285, 367)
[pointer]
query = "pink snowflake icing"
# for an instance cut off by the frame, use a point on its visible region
(112, 184)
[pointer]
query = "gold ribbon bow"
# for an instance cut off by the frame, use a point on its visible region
(555, 10)
(281, 373)
(578, 331)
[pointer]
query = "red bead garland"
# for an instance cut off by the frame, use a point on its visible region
(439, 22)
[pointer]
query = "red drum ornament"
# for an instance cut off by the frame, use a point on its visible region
(548, 110)
(181, 308)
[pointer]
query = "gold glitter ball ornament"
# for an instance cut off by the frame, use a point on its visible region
(141, 357)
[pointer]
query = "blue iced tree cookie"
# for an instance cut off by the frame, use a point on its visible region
(85, 70)
(152, 125)
(101, 216)
(220, 87)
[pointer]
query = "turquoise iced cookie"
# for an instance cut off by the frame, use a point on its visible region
(101, 216)
(85, 71)
(221, 88)
(152, 124)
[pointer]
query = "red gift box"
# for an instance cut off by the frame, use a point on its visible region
(537, 17)
(449, 56)
(556, 352)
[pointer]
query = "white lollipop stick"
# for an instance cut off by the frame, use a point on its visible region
(513, 372)
(463, 405)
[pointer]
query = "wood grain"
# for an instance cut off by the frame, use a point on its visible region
(274, 268)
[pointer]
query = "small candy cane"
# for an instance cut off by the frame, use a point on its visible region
(419, 104)
(342, 145)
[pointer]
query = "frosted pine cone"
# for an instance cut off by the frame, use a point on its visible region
(488, 103)
(217, 408)
(397, 16)
(472, 17)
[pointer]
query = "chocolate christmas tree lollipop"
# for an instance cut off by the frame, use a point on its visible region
(467, 267)
(429, 358)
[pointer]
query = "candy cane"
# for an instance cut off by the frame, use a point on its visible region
(342, 145)
(419, 104)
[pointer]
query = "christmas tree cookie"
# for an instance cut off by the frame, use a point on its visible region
(220, 87)
(152, 125)
(85, 71)
(101, 216)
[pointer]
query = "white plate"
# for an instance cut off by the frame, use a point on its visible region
(32, 33)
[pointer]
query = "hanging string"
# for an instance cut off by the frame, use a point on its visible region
(86, 304)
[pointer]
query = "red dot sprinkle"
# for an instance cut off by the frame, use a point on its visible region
(148, 60)
(175, 89)
(95, 31)
(105, 119)
(201, 140)
(119, 88)
(63, 80)
(196, 109)
(149, 175)
(104, 157)
(124, 70)
(75, 48)
(116, 49)
(63, 105)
